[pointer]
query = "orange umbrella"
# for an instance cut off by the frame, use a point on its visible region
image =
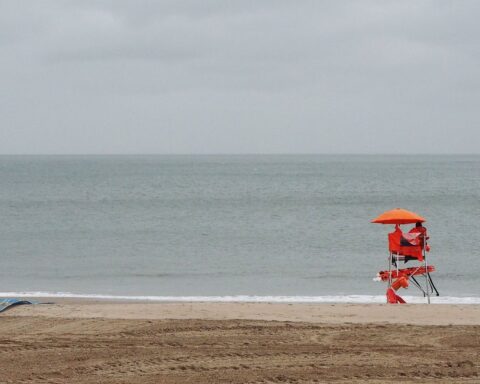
(398, 216)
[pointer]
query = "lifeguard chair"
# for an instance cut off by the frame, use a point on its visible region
(404, 248)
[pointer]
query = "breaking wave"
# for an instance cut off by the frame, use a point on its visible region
(348, 299)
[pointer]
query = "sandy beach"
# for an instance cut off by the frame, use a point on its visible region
(124, 342)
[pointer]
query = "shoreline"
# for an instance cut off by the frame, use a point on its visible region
(445, 314)
(287, 299)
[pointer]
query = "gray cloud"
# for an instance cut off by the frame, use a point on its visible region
(239, 77)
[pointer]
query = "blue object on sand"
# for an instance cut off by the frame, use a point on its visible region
(9, 303)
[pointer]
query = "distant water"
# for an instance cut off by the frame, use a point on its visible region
(223, 226)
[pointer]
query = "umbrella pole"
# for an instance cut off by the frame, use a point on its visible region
(390, 258)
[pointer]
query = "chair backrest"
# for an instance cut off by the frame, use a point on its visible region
(407, 244)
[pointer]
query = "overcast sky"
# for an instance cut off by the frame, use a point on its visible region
(239, 76)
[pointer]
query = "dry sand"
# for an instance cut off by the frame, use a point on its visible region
(92, 342)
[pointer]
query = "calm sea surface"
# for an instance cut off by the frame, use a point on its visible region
(229, 225)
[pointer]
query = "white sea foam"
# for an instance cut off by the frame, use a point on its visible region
(360, 299)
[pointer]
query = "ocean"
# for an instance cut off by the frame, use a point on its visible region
(245, 228)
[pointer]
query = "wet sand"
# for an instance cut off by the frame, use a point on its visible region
(92, 342)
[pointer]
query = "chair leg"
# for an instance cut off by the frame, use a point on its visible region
(432, 285)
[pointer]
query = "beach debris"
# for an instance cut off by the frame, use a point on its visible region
(7, 303)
